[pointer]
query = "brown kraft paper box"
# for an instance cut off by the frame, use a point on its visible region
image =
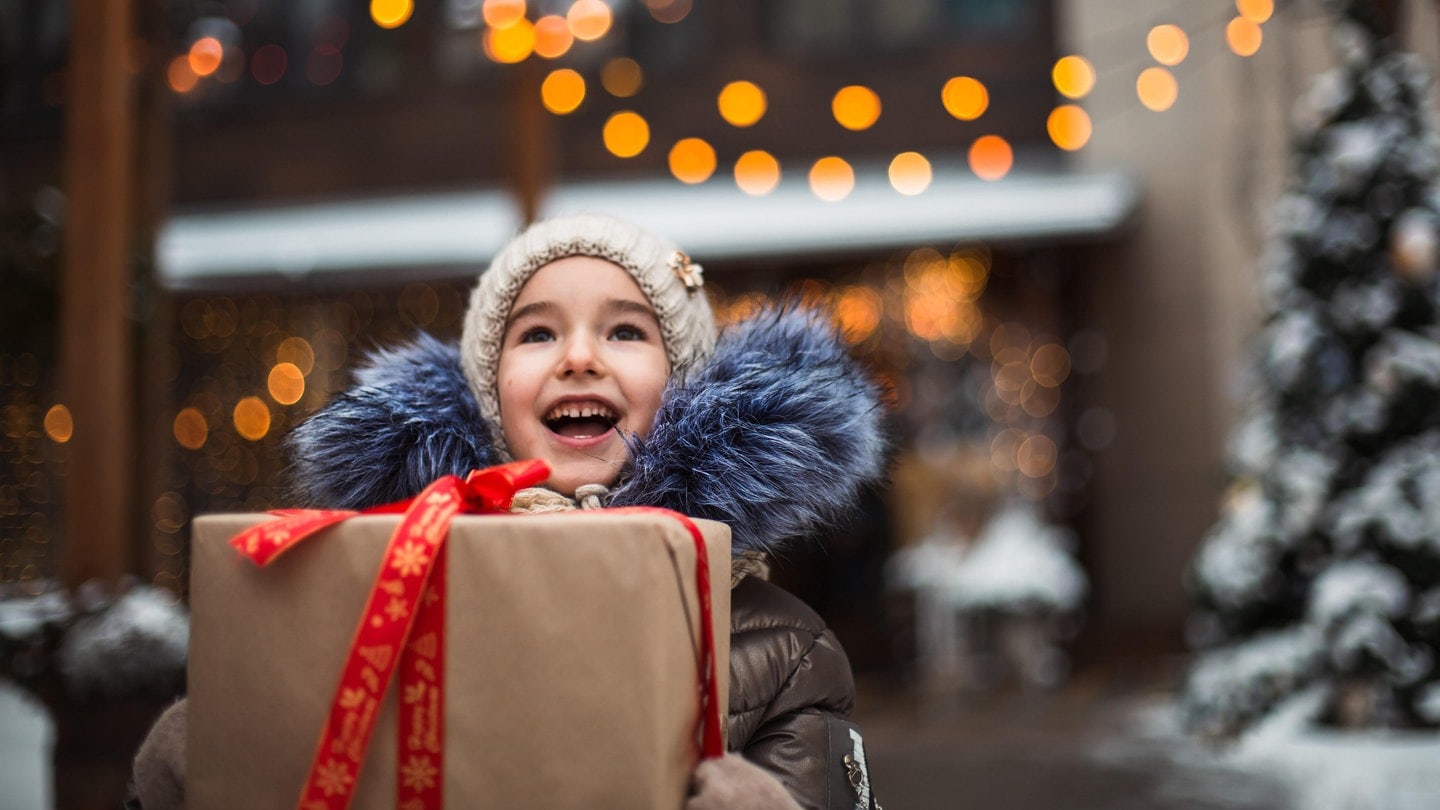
(571, 660)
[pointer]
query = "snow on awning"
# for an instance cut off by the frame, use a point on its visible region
(712, 221)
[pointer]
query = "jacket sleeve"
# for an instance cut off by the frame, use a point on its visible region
(792, 693)
(158, 779)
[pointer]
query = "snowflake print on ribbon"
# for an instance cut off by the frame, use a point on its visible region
(334, 778)
(419, 773)
(410, 559)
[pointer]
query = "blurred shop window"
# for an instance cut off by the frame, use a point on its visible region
(842, 29)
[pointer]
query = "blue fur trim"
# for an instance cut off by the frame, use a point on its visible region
(775, 436)
(410, 418)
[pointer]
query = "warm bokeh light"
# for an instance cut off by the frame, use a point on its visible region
(939, 296)
(552, 37)
(502, 13)
(965, 98)
(757, 173)
(1256, 11)
(296, 351)
(252, 418)
(668, 11)
(180, 76)
(910, 173)
(831, 179)
(589, 19)
(391, 13)
(59, 425)
(1243, 36)
(205, 56)
(857, 312)
(991, 157)
(626, 134)
(268, 64)
(562, 91)
(1168, 44)
(511, 44)
(323, 66)
(856, 107)
(692, 160)
(1003, 449)
(1157, 89)
(1069, 127)
(741, 103)
(190, 428)
(1073, 76)
(1050, 365)
(622, 77)
(1035, 457)
(286, 384)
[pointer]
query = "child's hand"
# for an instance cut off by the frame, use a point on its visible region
(731, 783)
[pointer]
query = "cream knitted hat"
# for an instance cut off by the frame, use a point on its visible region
(667, 277)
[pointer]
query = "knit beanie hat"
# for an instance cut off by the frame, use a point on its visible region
(671, 282)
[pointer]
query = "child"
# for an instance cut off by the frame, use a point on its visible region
(589, 343)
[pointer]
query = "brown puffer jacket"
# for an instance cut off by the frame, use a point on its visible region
(791, 695)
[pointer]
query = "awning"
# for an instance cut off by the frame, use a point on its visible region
(714, 221)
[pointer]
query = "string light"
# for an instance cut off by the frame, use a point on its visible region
(1073, 76)
(1167, 44)
(856, 107)
(552, 37)
(965, 98)
(910, 173)
(1244, 36)
(252, 418)
(180, 76)
(190, 429)
(589, 19)
(502, 13)
(741, 103)
(622, 77)
(562, 91)
(692, 161)
(991, 157)
(757, 173)
(511, 44)
(1256, 11)
(1069, 127)
(831, 179)
(59, 425)
(205, 56)
(391, 13)
(286, 384)
(626, 134)
(1157, 89)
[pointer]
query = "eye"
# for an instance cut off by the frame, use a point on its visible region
(627, 332)
(536, 334)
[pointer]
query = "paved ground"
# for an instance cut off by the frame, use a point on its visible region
(1102, 742)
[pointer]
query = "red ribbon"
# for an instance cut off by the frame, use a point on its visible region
(403, 626)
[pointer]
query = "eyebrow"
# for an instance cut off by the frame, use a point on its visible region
(620, 305)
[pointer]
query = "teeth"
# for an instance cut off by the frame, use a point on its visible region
(580, 411)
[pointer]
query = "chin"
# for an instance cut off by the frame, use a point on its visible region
(567, 478)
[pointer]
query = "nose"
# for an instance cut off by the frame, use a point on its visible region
(581, 356)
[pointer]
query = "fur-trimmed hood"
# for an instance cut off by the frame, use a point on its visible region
(775, 436)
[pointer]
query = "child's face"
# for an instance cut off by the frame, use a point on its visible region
(582, 362)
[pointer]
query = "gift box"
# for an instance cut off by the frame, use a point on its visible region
(570, 669)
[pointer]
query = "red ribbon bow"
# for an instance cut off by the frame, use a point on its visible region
(403, 626)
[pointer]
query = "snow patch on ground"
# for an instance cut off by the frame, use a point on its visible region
(1319, 769)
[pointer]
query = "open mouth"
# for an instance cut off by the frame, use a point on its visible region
(581, 420)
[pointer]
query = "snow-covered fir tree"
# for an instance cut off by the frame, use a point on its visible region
(1323, 570)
